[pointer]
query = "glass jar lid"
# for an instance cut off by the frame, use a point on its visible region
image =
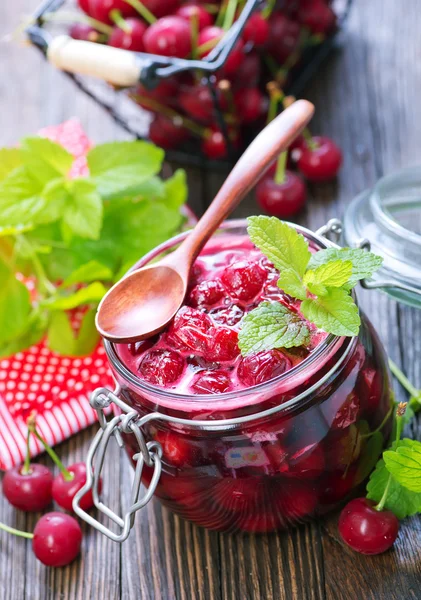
(387, 220)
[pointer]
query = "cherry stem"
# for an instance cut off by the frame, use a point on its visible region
(117, 18)
(380, 427)
(407, 385)
(170, 113)
(17, 532)
(229, 14)
(194, 33)
(69, 17)
(275, 96)
(221, 14)
(280, 168)
(267, 11)
(66, 474)
(211, 8)
(400, 411)
(209, 45)
(142, 10)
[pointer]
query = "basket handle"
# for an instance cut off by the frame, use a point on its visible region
(117, 66)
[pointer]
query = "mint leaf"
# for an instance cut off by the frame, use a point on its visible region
(91, 293)
(88, 336)
(60, 336)
(15, 305)
(10, 159)
(404, 463)
(32, 333)
(290, 282)
(45, 159)
(364, 263)
(336, 312)
(331, 274)
(121, 168)
(91, 271)
(282, 245)
(176, 189)
(271, 325)
(400, 500)
(83, 212)
(20, 201)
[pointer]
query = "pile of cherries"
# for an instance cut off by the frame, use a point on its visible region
(31, 487)
(183, 106)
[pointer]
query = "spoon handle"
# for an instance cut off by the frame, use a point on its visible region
(264, 149)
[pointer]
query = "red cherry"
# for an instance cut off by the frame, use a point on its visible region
(169, 36)
(365, 529)
(284, 37)
(101, 9)
(57, 539)
(250, 103)
(370, 388)
(321, 163)
(261, 367)
(281, 199)
(82, 31)
(207, 293)
(256, 30)
(317, 16)
(214, 145)
(248, 73)
(64, 491)
(243, 279)
(30, 492)
(341, 411)
(195, 11)
(84, 5)
(161, 367)
(223, 344)
(236, 55)
(296, 500)
(336, 485)
(167, 133)
(175, 450)
(211, 382)
(197, 102)
(163, 93)
(189, 330)
(305, 463)
(160, 8)
(129, 40)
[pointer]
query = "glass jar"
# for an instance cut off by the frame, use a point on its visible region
(270, 456)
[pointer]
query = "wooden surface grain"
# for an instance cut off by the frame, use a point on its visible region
(367, 98)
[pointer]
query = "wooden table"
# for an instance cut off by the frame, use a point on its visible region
(368, 99)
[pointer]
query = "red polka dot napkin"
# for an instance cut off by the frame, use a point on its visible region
(56, 387)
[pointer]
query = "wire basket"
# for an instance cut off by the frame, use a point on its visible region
(153, 69)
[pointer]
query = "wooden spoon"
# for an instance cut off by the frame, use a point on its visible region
(145, 301)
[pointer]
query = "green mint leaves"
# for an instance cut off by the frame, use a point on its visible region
(322, 281)
(271, 325)
(76, 237)
(401, 462)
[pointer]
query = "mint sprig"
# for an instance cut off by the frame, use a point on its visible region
(75, 236)
(322, 281)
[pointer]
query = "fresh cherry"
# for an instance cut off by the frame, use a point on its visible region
(243, 279)
(57, 539)
(160, 8)
(281, 199)
(365, 529)
(64, 490)
(30, 491)
(211, 382)
(189, 12)
(132, 39)
(263, 366)
(167, 133)
(256, 30)
(197, 102)
(251, 104)
(214, 144)
(169, 36)
(236, 56)
(284, 37)
(82, 31)
(101, 9)
(161, 367)
(163, 93)
(320, 159)
(248, 73)
(317, 15)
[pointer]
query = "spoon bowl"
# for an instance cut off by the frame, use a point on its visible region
(144, 302)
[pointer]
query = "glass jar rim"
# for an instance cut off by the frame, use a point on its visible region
(196, 400)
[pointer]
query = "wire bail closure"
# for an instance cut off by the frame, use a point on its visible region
(150, 453)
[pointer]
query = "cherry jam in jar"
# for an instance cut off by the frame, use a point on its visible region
(261, 442)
